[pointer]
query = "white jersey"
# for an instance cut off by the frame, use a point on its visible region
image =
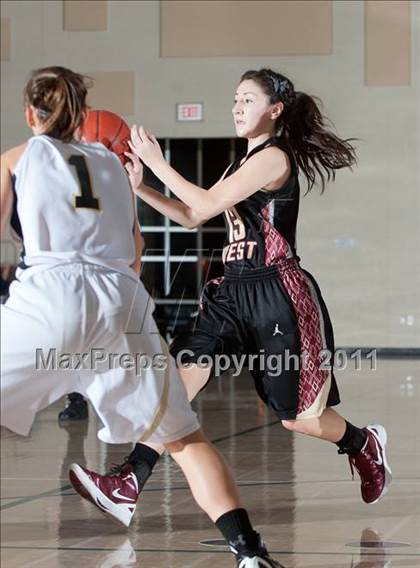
(74, 203)
(76, 213)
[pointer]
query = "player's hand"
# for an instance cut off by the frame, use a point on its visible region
(135, 170)
(145, 145)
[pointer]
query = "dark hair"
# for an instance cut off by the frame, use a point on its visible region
(316, 149)
(58, 96)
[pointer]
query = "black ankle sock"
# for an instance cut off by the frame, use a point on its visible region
(143, 453)
(143, 459)
(353, 440)
(236, 528)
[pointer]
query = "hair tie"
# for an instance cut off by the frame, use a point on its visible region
(43, 114)
(284, 89)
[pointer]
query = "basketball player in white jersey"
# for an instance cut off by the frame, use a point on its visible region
(77, 306)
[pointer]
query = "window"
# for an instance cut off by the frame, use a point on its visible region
(177, 261)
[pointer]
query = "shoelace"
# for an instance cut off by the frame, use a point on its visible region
(116, 468)
(353, 466)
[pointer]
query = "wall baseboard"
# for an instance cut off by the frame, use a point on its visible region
(386, 352)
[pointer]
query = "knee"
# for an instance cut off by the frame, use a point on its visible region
(179, 445)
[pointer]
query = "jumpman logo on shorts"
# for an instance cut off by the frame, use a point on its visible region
(277, 330)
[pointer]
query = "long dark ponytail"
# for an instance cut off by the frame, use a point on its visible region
(317, 150)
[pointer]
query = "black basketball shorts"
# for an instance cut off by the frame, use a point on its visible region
(249, 314)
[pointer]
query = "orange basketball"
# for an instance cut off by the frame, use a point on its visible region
(109, 129)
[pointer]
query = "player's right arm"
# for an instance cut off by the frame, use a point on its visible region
(176, 210)
(8, 162)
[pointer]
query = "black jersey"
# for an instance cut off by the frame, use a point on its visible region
(262, 228)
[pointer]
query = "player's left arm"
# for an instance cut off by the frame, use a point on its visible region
(268, 166)
(6, 193)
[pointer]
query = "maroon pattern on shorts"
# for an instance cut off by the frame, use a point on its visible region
(311, 377)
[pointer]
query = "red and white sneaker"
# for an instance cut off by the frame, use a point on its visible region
(372, 466)
(114, 495)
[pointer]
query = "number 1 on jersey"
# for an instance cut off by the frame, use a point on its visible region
(86, 199)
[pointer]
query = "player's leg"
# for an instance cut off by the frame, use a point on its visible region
(214, 490)
(302, 396)
(207, 474)
(31, 336)
(365, 448)
(156, 410)
(145, 455)
(216, 330)
(211, 484)
(144, 400)
(195, 378)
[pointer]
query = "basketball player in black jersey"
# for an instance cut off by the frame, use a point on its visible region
(266, 303)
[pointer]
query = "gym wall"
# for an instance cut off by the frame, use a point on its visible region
(361, 238)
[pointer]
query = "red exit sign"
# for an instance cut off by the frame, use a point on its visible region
(189, 112)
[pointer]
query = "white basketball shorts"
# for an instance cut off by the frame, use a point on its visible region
(80, 327)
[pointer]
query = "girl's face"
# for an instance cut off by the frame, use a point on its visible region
(252, 112)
